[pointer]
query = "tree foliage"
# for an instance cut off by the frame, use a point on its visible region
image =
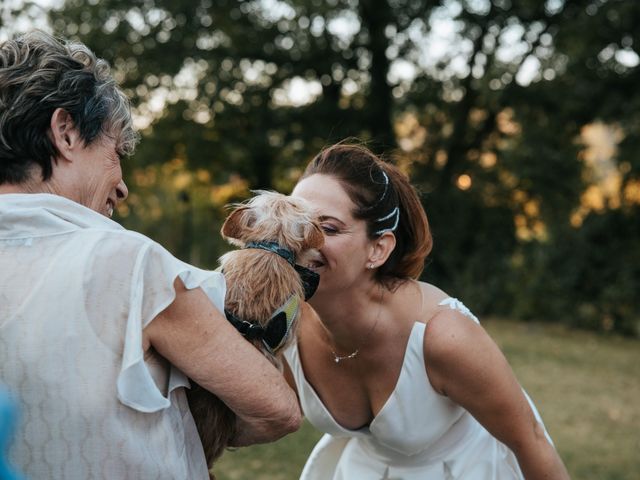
(483, 102)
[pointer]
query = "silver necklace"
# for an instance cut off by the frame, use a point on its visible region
(338, 358)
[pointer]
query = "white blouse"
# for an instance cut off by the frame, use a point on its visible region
(76, 290)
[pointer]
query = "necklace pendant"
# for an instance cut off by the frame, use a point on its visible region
(337, 358)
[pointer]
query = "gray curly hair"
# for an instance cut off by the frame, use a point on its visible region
(40, 73)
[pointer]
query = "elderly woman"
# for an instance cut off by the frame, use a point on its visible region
(99, 326)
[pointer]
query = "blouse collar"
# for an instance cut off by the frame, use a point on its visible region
(25, 215)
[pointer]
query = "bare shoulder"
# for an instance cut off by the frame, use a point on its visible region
(431, 293)
(450, 330)
(455, 346)
(431, 298)
(307, 323)
(307, 313)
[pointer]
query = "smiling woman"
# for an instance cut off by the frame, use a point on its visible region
(65, 110)
(400, 376)
(99, 326)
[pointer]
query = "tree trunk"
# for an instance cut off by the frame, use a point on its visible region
(375, 16)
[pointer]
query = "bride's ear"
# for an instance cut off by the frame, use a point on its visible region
(381, 249)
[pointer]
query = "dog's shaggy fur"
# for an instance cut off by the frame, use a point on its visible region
(258, 283)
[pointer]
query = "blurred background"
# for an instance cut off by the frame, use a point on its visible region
(517, 121)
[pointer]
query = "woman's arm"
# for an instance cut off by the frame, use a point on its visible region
(288, 376)
(465, 364)
(194, 336)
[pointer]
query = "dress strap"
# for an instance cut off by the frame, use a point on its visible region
(455, 304)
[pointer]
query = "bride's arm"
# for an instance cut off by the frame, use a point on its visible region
(465, 364)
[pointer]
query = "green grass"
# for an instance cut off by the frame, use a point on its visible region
(586, 387)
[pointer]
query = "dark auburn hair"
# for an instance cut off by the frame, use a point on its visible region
(385, 199)
(38, 74)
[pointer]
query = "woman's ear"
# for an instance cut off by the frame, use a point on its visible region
(64, 134)
(381, 249)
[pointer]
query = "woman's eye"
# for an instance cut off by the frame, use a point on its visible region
(329, 229)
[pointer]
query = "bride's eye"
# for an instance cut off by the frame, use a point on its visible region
(329, 229)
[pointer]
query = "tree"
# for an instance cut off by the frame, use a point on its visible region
(489, 127)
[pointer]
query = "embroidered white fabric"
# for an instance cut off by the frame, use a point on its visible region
(76, 291)
(455, 304)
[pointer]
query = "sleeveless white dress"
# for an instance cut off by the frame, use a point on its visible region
(418, 433)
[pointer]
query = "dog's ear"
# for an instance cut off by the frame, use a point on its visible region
(313, 236)
(238, 221)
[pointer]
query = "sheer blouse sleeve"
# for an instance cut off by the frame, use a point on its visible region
(151, 291)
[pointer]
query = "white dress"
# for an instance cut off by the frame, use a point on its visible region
(76, 291)
(418, 433)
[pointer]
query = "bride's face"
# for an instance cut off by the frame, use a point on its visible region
(343, 258)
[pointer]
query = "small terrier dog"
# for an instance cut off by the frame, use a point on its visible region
(267, 279)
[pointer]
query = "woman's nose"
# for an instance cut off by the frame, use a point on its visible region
(122, 191)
